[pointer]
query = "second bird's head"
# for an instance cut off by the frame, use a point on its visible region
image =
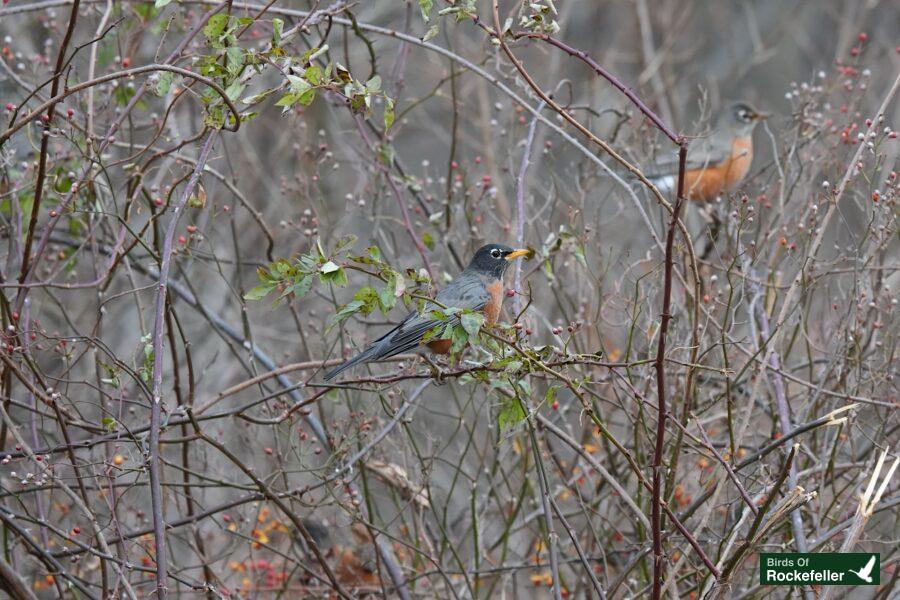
(741, 116)
(493, 259)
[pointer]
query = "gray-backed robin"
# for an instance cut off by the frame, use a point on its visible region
(716, 164)
(478, 287)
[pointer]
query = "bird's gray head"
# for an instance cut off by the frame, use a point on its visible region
(740, 117)
(493, 259)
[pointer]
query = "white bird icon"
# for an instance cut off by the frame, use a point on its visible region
(866, 572)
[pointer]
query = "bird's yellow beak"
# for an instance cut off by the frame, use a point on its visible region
(520, 252)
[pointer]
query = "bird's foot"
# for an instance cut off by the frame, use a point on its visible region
(437, 374)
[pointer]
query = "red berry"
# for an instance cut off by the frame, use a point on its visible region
(126, 62)
(182, 239)
(158, 201)
(555, 405)
(510, 293)
(269, 451)
(454, 165)
(76, 530)
(10, 106)
(863, 37)
(191, 228)
(70, 112)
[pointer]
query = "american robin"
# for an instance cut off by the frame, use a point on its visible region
(478, 287)
(717, 163)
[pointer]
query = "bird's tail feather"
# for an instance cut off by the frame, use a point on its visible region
(377, 352)
(362, 357)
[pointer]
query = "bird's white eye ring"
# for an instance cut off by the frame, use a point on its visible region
(495, 253)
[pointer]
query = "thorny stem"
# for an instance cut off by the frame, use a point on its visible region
(159, 326)
(656, 517)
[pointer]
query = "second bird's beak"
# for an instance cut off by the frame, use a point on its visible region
(518, 253)
(761, 116)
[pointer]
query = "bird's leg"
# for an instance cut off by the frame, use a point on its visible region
(437, 374)
(710, 213)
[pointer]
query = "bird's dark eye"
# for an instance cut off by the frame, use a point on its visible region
(495, 253)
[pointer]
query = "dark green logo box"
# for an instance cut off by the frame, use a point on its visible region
(826, 568)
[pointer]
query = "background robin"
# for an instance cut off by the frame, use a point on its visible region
(478, 287)
(717, 163)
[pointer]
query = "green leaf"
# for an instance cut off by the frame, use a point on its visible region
(511, 413)
(234, 60)
(260, 291)
(254, 98)
(345, 243)
(329, 267)
(332, 273)
(342, 74)
(146, 11)
(307, 97)
(374, 84)
(109, 423)
(215, 28)
(161, 3)
(425, 7)
(123, 94)
(432, 32)
(392, 290)
(471, 322)
(369, 297)
(287, 100)
(277, 29)
(459, 338)
(388, 114)
(428, 240)
(313, 74)
(302, 287)
(164, 83)
(234, 90)
(550, 396)
(349, 309)
(578, 251)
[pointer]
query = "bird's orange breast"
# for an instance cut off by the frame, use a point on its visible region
(713, 180)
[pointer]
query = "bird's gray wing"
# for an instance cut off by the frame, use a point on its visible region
(467, 291)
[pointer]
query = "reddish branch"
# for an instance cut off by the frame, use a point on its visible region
(159, 326)
(45, 141)
(656, 516)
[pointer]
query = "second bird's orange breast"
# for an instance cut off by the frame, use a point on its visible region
(711, 181)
